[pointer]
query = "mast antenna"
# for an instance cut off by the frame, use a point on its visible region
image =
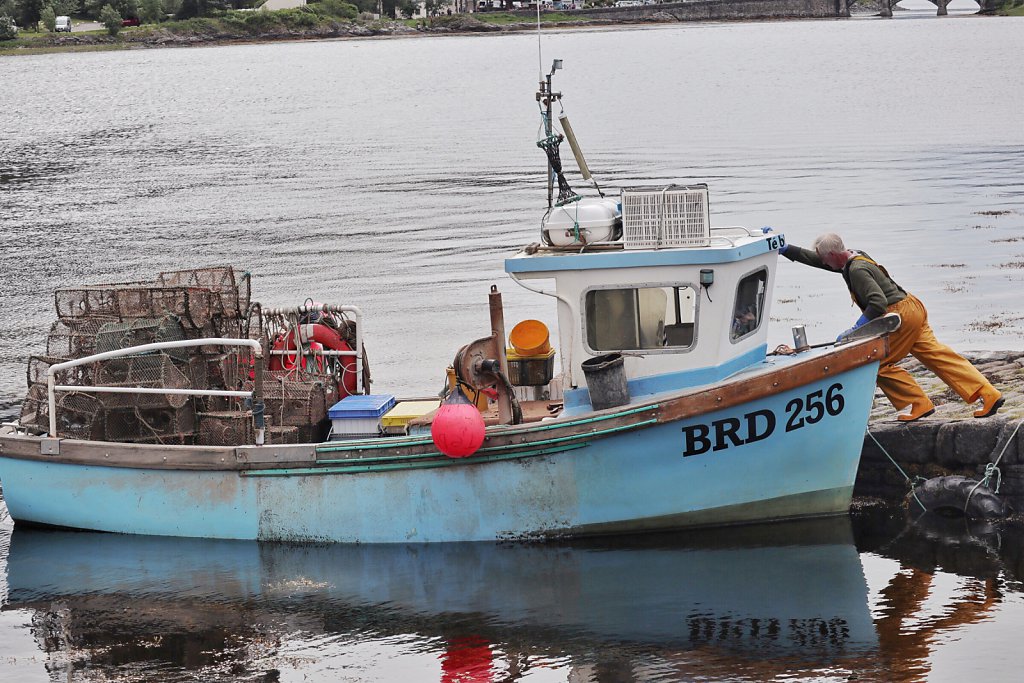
(546, 97)
(540, 58)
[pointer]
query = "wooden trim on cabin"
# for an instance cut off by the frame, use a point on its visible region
(564, 434)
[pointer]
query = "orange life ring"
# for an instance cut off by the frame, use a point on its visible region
(319, 337)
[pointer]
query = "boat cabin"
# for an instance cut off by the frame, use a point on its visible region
(685, 304)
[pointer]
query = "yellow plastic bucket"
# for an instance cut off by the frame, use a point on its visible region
(530, 338)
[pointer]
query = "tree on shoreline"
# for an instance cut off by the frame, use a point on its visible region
(151, 11)
(111, 20)
(126, 8)
(65, 8)
(29, 13)
(7, 30)
(198, 8)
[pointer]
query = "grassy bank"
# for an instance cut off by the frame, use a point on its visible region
(505, 18)
(1013, 8)
(328, 18)
(324, 19)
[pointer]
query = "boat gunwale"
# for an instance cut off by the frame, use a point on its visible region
(501, 443)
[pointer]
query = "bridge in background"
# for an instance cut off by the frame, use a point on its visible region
(984, 6)
(716, 10)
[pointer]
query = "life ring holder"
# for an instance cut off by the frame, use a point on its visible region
(318, 337)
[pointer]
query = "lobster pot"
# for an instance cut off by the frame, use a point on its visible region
(256, 326)
(79, 416)
(170, 330)
(233, 292)
(316, 433)
(226, 428)
(152, 425)
(197, 371)
(231, 328)
(194, 306)
(35, 409)
(236, 368)
(74, 337)
(673, 216)
(297, 404)
(150, 371)
(281, 435)
(91, 301)
(39, 366)
(137, 331)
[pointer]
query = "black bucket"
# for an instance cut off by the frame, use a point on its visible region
(606, 380)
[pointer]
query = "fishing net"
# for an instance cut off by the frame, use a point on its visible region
(550, 146)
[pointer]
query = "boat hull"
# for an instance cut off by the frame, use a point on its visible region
(791, 453)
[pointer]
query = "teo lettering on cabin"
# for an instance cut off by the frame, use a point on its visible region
(758, 425)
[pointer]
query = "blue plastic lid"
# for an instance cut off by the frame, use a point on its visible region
(371, 405)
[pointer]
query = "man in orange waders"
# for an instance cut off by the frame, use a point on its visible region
(877, 294)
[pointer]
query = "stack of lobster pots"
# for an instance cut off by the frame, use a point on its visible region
(189, 304)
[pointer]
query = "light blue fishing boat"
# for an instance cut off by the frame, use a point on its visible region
(179, 407)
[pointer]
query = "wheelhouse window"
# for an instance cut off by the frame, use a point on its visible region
(749, 308)
(640, 318)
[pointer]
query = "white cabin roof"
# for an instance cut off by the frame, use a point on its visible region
(674, 332)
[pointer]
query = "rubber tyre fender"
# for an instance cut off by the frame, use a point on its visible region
(950, 495)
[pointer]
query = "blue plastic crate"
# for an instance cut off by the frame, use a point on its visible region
(372, 405)
(359, 416)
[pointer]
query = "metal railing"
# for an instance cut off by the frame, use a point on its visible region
(52, 387)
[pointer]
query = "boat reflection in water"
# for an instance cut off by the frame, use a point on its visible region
(730, 603)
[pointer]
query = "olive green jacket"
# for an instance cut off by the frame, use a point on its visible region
(870, 285)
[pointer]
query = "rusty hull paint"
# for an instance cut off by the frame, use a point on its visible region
(485, 502)
(153, 502)
(824, 503)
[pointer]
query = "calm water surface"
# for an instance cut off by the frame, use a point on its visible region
(396, 175)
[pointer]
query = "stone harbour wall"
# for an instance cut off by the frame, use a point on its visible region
(951, 441)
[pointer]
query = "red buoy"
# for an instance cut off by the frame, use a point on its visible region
(458, 429)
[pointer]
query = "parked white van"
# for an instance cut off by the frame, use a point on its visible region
(63, 24)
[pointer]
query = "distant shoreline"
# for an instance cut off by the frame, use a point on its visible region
(213, 33)
(158, 37)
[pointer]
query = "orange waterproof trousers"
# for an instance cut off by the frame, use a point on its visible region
(915, 337)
